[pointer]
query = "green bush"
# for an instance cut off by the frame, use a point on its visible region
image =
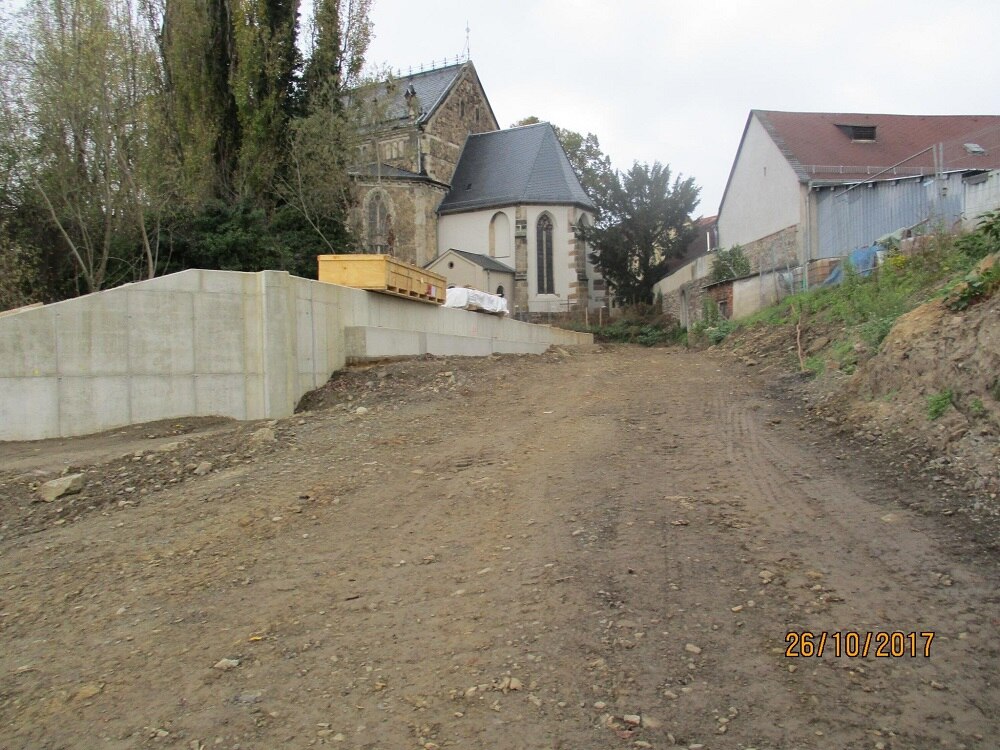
(639, 324)
(730, 264)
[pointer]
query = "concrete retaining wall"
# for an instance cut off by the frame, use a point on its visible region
(205, 343)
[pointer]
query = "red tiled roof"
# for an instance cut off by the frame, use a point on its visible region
(820, 148)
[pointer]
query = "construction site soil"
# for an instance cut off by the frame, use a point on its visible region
(605, 547)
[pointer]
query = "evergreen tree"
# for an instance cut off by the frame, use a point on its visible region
(644, 222)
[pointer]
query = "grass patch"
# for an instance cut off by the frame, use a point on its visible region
(815, 365)
(938, 403)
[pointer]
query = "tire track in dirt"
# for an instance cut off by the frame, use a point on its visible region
(867, 570)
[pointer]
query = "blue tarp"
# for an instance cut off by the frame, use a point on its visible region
(863, 261)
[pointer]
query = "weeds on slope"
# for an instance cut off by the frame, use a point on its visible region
(640, 324)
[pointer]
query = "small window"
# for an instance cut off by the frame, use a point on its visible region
(500, 290)
(975, 149)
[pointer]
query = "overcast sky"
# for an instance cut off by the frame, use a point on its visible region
(674, 81)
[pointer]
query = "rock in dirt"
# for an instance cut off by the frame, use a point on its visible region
(67, 485)
(88, 691)
(225, 665)
(263, 436)
(203, 468)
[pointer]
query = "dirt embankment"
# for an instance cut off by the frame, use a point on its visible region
(930, 394)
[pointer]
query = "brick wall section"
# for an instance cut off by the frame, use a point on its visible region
(723, 296)
(818, 271)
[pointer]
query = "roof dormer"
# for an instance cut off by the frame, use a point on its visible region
(859, 133)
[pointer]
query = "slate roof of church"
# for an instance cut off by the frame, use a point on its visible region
(483, 261)
(431, 87)
(387, 171)
(519, 166)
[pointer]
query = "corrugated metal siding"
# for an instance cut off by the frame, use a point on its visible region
(981, 196)
(849, 220)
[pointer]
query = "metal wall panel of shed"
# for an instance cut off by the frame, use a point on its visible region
(851, 219)
(982, 194)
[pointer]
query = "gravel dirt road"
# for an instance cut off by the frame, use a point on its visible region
(589, 549)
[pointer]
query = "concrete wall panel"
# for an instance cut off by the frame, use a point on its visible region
(184, 281)
(458, 346)
(221, 395)
(93, 340)
(160, 329)
(228, 282)
(154, 397)
(29, 408)
(218, 333)
(92, 404)
(509, 347)
(27, 343)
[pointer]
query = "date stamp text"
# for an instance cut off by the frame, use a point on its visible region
(881, 644)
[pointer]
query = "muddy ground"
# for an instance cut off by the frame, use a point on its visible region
(587, 549)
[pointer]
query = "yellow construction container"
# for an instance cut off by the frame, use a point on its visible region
(383, 273)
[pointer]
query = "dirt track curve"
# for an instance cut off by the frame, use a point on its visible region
(595, 549)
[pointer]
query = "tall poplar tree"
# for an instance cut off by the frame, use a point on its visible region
(197, 47)
(263, 81)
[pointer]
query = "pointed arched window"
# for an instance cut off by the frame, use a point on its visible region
(543, 248)
(380, 238)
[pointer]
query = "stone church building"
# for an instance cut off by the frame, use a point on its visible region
(438, 174)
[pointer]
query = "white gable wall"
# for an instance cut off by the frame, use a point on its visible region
(471, 231)
(461, 271)
(764, 193)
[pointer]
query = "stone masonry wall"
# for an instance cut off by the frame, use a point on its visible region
(465, 111)
(414, 222)
(685, 303)
(776, 251)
